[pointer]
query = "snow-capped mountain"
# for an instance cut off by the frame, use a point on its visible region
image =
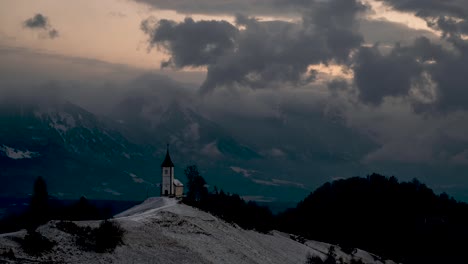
(279, 158)
(160, 230)
(72, 149)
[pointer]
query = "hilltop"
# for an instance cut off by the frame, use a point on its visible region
(161, 230)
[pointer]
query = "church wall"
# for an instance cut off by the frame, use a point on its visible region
(167, 181)
(179, 191)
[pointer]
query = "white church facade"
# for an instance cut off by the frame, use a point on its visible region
(169, 185)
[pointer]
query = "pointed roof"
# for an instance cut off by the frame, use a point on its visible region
(167, 160)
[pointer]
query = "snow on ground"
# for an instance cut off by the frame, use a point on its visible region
(13, 153)
(161, 230)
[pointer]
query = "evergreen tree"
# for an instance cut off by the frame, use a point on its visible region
(38, 206)
(197, 190)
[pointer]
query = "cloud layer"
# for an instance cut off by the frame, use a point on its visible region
(428, 73)
(219, 7)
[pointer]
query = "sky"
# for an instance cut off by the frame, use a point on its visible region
(395, 69)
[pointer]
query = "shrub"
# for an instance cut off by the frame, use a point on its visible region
(108, 236)
(105, 238)
(69, 227)
(356, 261)
(9, 254)
(36, 244)
(313, 259)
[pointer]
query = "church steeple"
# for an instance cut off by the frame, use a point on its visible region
(167, 163)
(169, 186)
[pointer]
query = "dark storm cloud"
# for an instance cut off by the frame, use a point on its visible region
(191, 43)
(262, 53)
(378, 76)
(41, 22)
(436, 73)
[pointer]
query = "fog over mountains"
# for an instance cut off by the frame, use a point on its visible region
(118, 156)
(267, 150)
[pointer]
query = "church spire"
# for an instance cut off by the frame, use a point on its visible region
(167, 160)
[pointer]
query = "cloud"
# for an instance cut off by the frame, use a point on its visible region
(428, 8)
(245, 172)
(41, 22)
(53, 33)
(431, 76)
(378, 76)
(388, 33)
(460, 158)
(399, 63)
(38, 21)
(289, 183)
(135, 178)
(277, 182)
(111, 191)
(227, 7)
(450, 17)
(260, 54)
(191, 43)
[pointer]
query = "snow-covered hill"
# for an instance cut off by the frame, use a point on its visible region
(161, 230)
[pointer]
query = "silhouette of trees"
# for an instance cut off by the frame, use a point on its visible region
(42, 209)
(405, 222)
(38, 207)
(196, 185)
(229, 207)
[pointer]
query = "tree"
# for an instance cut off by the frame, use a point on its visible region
(197, 190)
(38, 206)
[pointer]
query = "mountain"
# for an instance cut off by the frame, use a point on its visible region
(75, 151)
(158, 121)
(276, 159)
(163, 231)
(151, 118)
(280, 158)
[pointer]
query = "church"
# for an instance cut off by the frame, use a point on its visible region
(169, 185)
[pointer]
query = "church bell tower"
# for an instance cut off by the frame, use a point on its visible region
(167, 184)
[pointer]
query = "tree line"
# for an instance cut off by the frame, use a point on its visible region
(105, 238)
(42, 209)
(403, 221)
